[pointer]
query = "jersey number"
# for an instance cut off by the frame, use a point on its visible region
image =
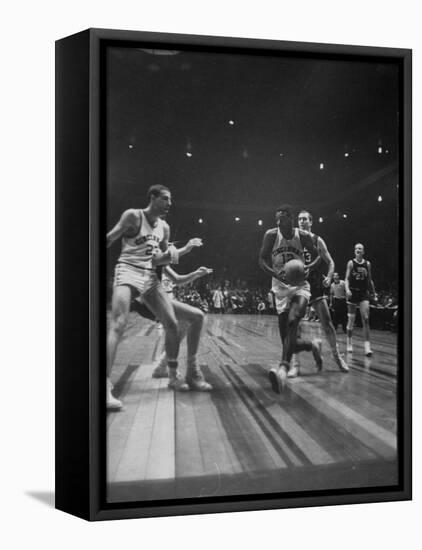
(361, 274)
(307, 257)
(287, 256)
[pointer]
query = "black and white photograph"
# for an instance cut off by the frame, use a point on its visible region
(232, 108)
(252, 281)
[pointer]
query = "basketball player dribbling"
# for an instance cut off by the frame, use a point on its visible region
(319, 284)
(359, 287)
(280, 245)
(145, 236)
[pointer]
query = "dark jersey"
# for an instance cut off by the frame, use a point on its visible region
(316, 275)
(358, 278)
(310, 254)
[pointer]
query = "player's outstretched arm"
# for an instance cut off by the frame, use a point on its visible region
(196, 242)
(170, 254)
(189, 277)
(126, 225)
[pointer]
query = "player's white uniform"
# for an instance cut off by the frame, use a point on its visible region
(134, 266)
(283, 251)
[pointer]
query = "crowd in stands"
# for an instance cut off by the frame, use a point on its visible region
(224, 296)
(237, 297)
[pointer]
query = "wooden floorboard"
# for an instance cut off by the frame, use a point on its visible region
(133, 462)
(324, 429)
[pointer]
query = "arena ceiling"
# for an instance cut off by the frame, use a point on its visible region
(234, 135)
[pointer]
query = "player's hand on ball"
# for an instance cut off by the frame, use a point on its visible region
(193, 243)
(281, 276)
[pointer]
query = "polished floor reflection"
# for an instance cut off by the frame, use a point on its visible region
(326, 431)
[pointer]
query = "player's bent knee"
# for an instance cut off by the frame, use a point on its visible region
(198, 317)
(294, 318)
(170, 324)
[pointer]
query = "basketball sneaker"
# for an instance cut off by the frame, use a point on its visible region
(195, 378)
(294, 367)
(341, 363)
(368, 351)
(278, 377)
(176, 381)
(113, 404)
(317, 353)
(161, 370)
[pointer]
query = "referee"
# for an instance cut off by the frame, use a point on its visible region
(338, 302)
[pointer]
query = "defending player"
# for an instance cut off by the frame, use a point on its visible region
(145, 236)
(190, 320)
(280, 245)
(320, 283)
(359, 287)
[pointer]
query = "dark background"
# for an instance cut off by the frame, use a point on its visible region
(290, 115)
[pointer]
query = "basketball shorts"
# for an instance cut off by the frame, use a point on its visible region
(140, 279)
(284, 294)
(318, 290)
(358, 296)
(142, 309)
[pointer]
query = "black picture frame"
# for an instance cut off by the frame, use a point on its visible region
(80, 260)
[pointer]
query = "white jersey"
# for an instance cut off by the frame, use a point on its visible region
(137, 251)
(285, 250)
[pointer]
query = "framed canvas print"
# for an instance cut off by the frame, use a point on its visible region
(233, 274)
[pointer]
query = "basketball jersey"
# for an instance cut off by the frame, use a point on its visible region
(285, 250)
(310, 254)
(137, 251)
(358, 278)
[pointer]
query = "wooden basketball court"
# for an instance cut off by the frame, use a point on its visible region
(326, 431)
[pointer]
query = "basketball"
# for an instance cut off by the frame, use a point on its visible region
(295, 272)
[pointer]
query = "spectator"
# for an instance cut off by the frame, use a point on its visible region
(261, 307)
(218, 301)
